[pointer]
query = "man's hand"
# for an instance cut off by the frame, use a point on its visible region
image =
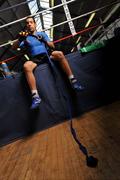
(51, 46)
(22, 35)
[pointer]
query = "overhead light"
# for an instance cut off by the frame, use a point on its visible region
(26, 56)
(18, 49)
(78, 40)
(90, 19)
(11, 43)
(52, 3)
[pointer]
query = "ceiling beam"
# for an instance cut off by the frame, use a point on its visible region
(2, 2)
(114, 9)
(14, 6)
(14, 13)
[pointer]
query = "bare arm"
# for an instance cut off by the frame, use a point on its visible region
(51, 45)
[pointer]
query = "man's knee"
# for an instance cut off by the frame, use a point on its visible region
(58, 55)
(29, 66)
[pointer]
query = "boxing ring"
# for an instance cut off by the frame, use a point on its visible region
(92, 69)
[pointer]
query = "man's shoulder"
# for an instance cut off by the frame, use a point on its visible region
(40, 32)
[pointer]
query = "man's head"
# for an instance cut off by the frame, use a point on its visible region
(30, 24)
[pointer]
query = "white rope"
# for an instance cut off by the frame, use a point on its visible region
(38, 13)
(59, 24)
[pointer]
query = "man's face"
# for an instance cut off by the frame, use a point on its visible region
(31, 25)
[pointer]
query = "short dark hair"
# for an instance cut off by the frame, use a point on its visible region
(31, 18)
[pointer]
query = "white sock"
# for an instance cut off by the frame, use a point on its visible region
(34, 93)
(71, 77)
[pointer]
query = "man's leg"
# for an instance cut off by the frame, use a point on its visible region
(29, 66)
(58, 55)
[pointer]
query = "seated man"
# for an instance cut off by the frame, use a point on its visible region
(37, 48)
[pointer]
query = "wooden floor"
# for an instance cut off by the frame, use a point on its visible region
(53, 154)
